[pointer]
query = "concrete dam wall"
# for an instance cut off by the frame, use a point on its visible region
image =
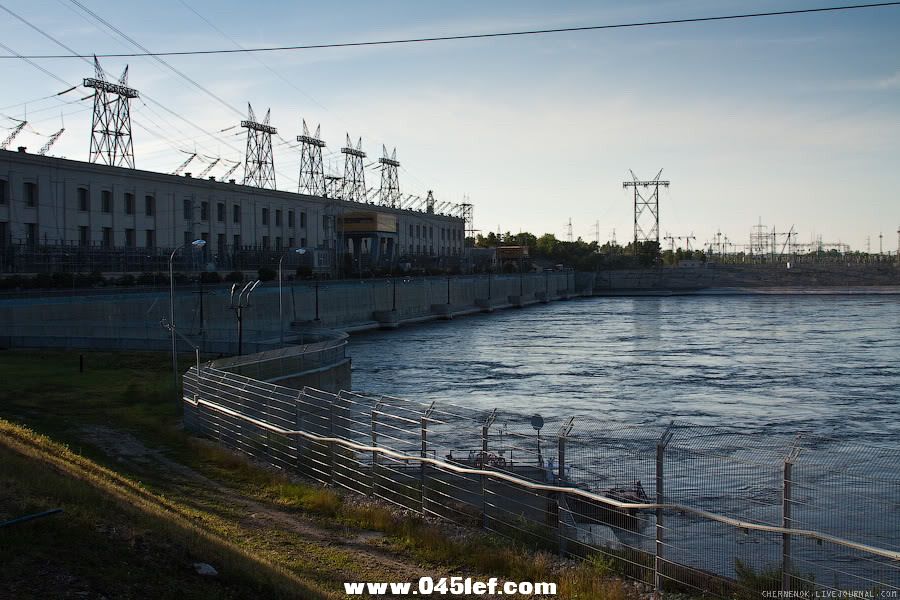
(131, 320)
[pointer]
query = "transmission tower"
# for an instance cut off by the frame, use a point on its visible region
(259, 164)
(312, 171)
(597, 233)
(12, 135)
(334, 186)
(354, 184)
(646, 209)
(390, 184)
(759, 239)
(429, 203)
(570, 237)
(52, 140)
(111, 124)
(466, 212)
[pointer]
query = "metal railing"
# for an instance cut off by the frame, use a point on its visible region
(692, 509)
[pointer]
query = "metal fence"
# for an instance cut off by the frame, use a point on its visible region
(687, 508)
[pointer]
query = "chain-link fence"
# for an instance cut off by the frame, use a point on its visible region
(685, 508)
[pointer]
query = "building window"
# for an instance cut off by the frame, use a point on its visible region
(107, 237)
(418, 231)
(430, 232)
(83, 202)
(84, 235)
(410, 248)
(265, 216)
(188, 209)
(129, 204)
(204, 211)
(220, 212)
(290, 218)
(237, 242)
(4, 234)
(129, 238)
(106, 201)
(220, 242)
(236, 213)
(265, 242)
(149, 207)
(302, 219)
(188, 238)
(290, 242)
(150, 238)
(30, 194)
(31, 234)
(278, 242)
(4, 191)
(303, 242)
(443, 233)
(277, 217)
(410, 231)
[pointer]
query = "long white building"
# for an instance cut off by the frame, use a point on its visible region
(47, 201)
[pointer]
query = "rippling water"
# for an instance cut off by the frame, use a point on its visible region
(825, 364)
(771, 366)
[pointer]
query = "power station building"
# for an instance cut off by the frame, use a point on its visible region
(55, 214)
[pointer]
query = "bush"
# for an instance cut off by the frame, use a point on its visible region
(234, 277)
(126, 280)
(267, 274)
(210, 277)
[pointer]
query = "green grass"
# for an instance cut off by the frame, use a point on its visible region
(133, 392)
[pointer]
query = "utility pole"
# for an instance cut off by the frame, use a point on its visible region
(646, 209)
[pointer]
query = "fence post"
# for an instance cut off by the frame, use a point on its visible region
(485, 428)
(331, 460)
(423, 476)
(786, 517)
(375, 443)
(561, 502)
(660, 499)
(298, 420)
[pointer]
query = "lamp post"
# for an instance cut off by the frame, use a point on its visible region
(300, 251)
(197, 244)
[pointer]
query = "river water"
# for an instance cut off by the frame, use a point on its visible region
(757, 369)
(824, 364)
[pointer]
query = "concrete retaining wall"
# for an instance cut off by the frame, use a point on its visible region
(132, 319)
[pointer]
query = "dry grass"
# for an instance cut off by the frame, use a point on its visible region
(91, 491)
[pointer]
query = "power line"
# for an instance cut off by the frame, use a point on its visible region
(472, 36)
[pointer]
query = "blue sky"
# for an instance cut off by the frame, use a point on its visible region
(795, 120)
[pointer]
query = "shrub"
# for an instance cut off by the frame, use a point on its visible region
(210, 277)
(267, 274)
(234, 277)
(126, 280)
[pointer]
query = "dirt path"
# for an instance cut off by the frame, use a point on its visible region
(328, 555)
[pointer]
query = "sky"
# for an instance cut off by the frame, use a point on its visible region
(793, 121)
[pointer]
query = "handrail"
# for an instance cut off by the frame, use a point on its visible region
(824, 537)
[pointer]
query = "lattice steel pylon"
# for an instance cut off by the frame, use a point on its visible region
(390, 184)
(646, 210)
(354, 184)
(259, 165)
(111, 141)
(334, 186)
(312, 170)
(429, 203)
(466, 212)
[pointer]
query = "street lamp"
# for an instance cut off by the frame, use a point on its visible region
(300, 251)
(197, 244)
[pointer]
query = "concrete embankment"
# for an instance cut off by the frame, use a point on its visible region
(131, 320)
